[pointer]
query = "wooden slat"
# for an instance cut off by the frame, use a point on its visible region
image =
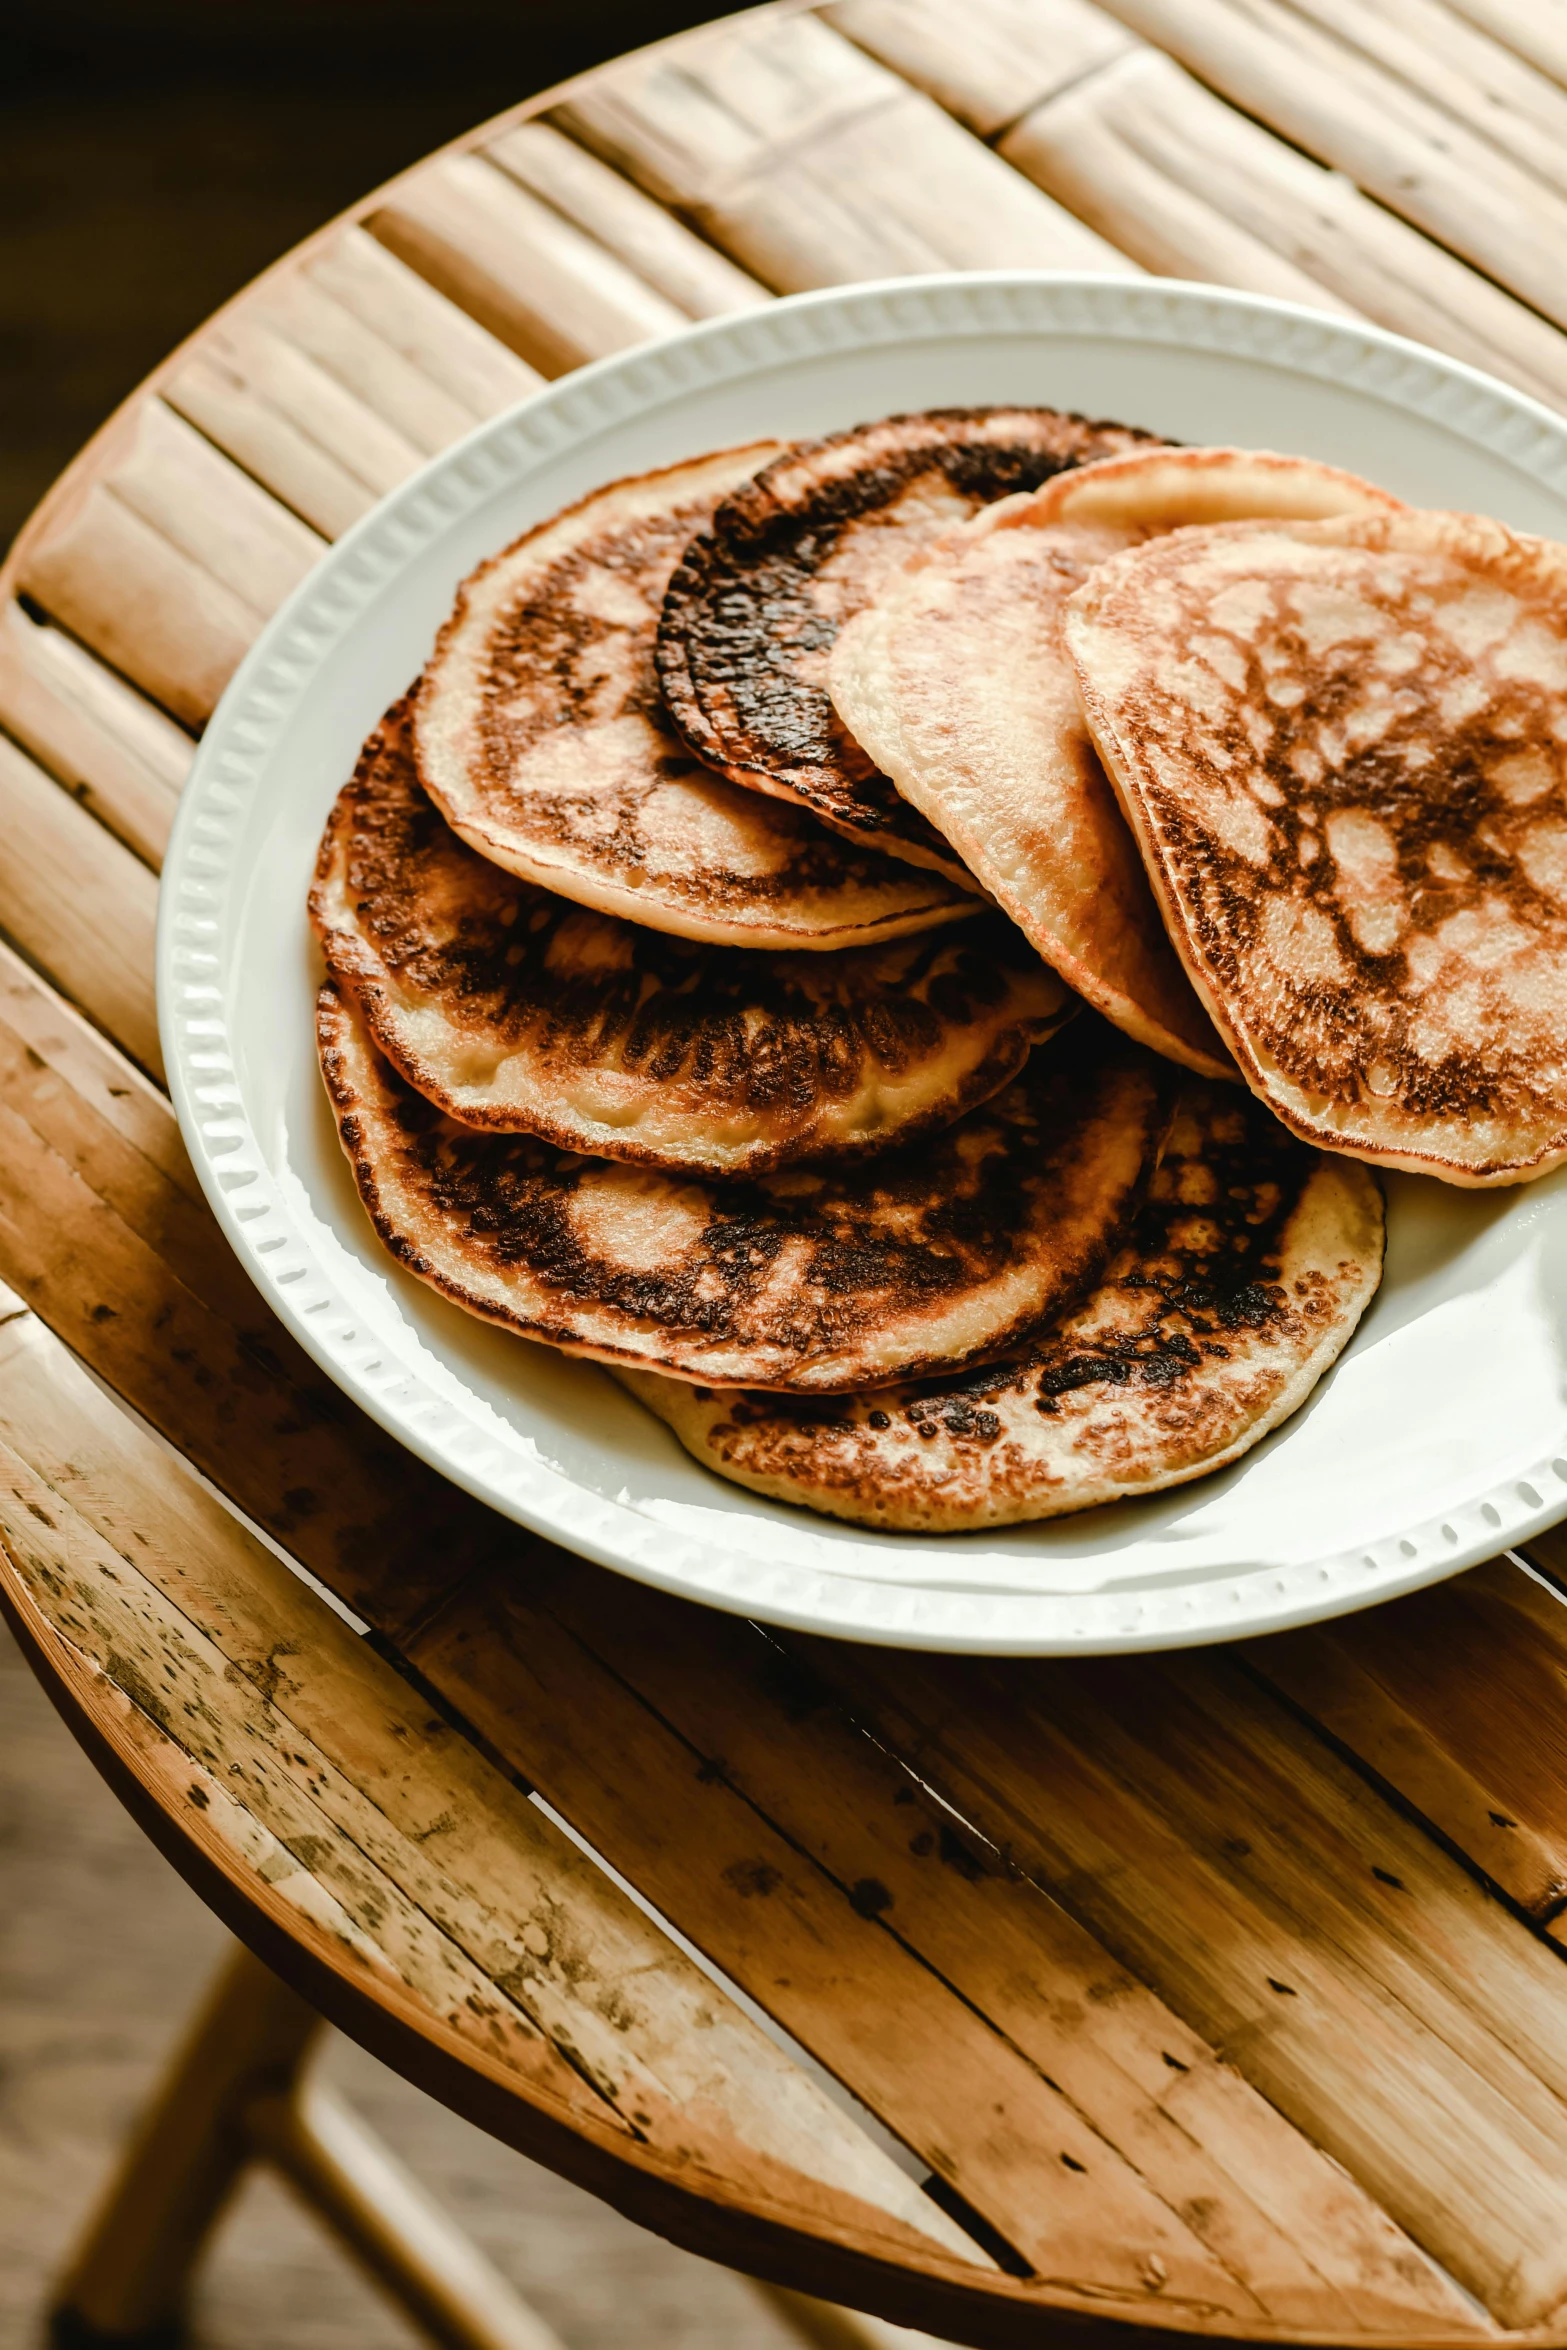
(1189, 186)
(204, 505)
(313, 1734)
(78, 902)
(1457, 1699)
(1349, 112)
(553, 295)
(1316, 2252)
(1537, 33)
(221, 398)
(103, 1231)
(813, 1956)
(989, 63)
(177, 1677)
(120, 757)
(443, 342)
(694, 276)
(142, 604)
(278, 371)
(812, 165)
(1429, 47)
(1355, 1974)
(1102, 149)
(422, 412)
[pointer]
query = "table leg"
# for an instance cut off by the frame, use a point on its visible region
(237, 2092)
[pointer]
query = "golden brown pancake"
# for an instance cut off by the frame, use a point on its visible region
(957, 682)
(541, 735)
(753, 609)
(1246, 1269)
(813, 1279)
(516, 1010)
(1341, 745)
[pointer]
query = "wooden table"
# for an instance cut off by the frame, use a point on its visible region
(1220, 1993)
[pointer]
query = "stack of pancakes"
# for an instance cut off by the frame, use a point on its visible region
(799, 941)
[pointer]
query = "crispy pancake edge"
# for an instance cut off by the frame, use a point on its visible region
(766, 504)
(943, 1084)
(756, 918)
(1332, 1249)
(863, 671)
(1303, 1112)
(1125, 1117)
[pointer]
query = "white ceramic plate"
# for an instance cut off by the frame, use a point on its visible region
(1440, 1438)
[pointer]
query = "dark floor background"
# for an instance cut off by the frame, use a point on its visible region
(154, 157)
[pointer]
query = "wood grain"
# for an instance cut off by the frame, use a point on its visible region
(1538, 33)
(1190, 187)
(1348, 111)
(811, 165)
(989, 63)
(214, 513)
(1117, 150)
(446, 1873)
(79, 902)
(422, 412)
(279, 371)
(142, 604)
(1427, 46)
(1315, 2252)
(551, 294)
(432, 334)
(1413, 1692)
(813, 1957)
(122, 758)
(693, 275)
(219, 396)
(1358, 1977)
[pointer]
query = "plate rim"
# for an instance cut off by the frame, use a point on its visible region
(298, 641)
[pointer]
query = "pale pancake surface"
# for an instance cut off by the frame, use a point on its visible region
(1342, 746)
(540, 732)
(813, 1279)
(1245, 1271)
(958, 683)
(517, 1010)
(790, 556)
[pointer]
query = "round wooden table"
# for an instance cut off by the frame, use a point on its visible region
(1220, 1993)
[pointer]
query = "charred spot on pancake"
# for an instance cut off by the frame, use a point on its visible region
(753, 610)
(516, 1009)
(814, 1278)
(1349, 740)
(1242, 1273)
(540, 731)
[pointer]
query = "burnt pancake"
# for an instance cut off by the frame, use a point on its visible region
(1342, 747)
(957, 681)
(540, 732)
(1245, 1271)
(519, 1011)
(754, 607)
(813, 1279)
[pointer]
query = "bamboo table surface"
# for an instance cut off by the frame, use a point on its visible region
(1220, 1993)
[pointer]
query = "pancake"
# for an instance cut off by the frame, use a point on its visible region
(812, 1279)
(753, 609)
(541, 735)
(1245, 1271)
(1342, 747)
(957, 682)
(519, 1011)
